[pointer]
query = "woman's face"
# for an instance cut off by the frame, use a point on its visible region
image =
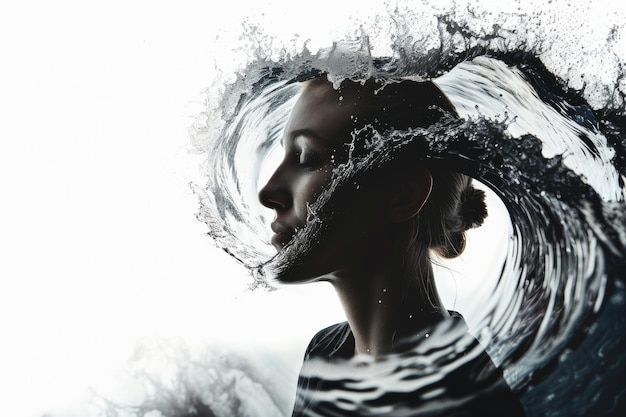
(315, 141)
(315, 133)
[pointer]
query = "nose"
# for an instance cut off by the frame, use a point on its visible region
(275, 194)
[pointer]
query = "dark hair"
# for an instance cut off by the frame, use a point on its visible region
(454, 205)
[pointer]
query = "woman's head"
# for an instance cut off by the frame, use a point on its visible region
(410, 206)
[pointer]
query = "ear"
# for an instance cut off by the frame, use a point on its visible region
(412, 192)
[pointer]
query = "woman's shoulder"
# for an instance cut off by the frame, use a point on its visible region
(330, 342)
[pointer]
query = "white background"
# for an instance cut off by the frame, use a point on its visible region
(102, 246)
(107, 249)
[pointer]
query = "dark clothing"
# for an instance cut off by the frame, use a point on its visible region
(443, 372)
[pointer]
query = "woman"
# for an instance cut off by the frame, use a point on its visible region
(375, 251)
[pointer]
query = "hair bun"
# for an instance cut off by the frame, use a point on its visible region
(473, 210)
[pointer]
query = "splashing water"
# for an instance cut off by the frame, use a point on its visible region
(556, 162)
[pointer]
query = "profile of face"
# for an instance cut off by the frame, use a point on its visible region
(368, 214)
(314, 135)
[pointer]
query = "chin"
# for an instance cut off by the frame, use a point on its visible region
(288, 267)
(299, 261)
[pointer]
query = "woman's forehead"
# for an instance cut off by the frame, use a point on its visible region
(324, 114)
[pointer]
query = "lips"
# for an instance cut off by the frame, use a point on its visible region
(282, 235)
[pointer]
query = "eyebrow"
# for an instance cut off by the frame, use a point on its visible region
(310, 133)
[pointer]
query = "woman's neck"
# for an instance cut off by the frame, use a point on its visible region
(385, 305)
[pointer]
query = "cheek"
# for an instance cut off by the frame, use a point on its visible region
(308, 190)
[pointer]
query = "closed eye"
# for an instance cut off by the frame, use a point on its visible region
(309, 159)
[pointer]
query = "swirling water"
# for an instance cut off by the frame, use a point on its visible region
(555, 162)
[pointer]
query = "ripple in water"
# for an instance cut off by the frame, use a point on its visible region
(556, 162)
